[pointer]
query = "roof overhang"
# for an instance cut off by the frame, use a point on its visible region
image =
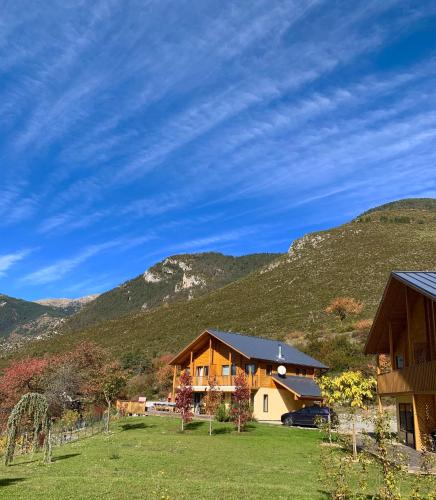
(392, 311)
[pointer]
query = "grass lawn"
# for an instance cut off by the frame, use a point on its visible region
(150, 458)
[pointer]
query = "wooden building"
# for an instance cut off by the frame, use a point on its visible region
(280, 377)
(403, 336)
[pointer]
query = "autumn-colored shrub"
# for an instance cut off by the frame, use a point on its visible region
(363, 324)
(344, 306)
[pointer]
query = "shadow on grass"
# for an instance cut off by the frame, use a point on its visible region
(65, 457)
(141, 425)
(9, 481)
(194, 425)
(222, 430)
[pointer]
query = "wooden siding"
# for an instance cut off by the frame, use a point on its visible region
(214, 354)
(420, 378)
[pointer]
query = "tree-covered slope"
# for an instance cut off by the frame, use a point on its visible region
(16, 315)
(289, 294)
(177, 278)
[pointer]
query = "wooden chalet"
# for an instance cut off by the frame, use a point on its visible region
(403, 336)
(280, 377)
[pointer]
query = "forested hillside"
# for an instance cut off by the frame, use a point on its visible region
(287, 298)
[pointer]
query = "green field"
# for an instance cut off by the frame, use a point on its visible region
(150, 458)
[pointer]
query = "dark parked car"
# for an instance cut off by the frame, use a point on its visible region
(308, 416)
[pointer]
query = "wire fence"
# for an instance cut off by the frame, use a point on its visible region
(59, 434)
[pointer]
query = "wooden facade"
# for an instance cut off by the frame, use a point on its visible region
(404, 338)
(208, 357)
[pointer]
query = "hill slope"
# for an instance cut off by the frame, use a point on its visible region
(69, 306)
(291, 293)
(23, 317)
(177, 278)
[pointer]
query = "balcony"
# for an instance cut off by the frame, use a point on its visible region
(225, 381)
(416, 378)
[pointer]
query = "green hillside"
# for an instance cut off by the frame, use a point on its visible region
(177, 278)
(16, 315)
(289, 295)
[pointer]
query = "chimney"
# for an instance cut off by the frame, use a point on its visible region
(280, 354)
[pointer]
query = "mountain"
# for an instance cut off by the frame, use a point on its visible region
(22, 317)
(69, 306)
(287, 297)
(177, 278)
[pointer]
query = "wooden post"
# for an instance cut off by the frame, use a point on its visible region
(433, 330)
(230, 367)
(174, 383)
(391, 347)
(210, 357)
(191, 365)
(418, 442)
(410, 360)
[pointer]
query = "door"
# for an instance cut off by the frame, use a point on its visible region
(407, 427)
(198, 399)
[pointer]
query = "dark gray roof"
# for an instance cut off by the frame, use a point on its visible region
(424, 282)
(304, 386)
(267, 350)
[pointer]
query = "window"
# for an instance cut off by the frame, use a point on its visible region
(269, 369)
(233, 370)
(265, 403)
(421, 351)
(301, 371)
(399, 361)
(250, 369)
(225, 370)
(201, 371)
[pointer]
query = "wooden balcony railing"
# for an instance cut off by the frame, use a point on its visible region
(225, 380)
(416, 378)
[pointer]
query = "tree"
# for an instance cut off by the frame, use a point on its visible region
(184, 398)
(34, 406)
(240, 410)
(351, 389)
(113, 382)
(163, 374)
(212, 400)
(343, 306)
(21, 377)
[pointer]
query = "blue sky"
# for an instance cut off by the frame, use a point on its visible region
(132, 130)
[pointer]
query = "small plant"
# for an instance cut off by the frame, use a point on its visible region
(114, 455)
(222, 413)
(390, 459)
(327, 427)
(425, 483)
(335, 473)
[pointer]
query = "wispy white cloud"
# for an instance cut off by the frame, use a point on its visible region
(151, 116)
(63, 267)
(9, 260)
